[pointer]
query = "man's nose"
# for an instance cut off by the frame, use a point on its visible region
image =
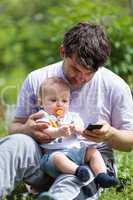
(82, 77)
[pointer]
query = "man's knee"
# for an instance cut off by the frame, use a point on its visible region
(23, 140)
(24, 146)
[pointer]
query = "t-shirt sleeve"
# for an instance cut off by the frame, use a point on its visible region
(122, 108)
(26, 101)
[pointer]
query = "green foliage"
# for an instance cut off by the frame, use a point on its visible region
(10, 84)
(32, 30)
(121, 33)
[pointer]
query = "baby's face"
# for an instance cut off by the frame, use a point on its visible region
(55, 97)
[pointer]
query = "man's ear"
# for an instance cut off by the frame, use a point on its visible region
(62, 51)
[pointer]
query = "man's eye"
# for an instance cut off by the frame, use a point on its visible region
(75, 69)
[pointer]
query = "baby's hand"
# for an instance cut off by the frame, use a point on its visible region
(72, 128)
(65, 130)
(75, 129)
(79, 130)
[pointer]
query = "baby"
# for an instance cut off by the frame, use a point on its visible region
(68, 152)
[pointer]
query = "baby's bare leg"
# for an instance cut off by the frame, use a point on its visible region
(95, 160)
(64, 164)
(67, 166)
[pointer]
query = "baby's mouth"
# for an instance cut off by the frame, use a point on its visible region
(59, 111)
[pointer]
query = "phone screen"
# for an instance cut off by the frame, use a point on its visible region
(91, 127)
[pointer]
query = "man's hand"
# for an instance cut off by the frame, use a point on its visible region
(36, 129)
(99, 135)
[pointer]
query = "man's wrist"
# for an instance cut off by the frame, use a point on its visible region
(111, 135)
(24, 129)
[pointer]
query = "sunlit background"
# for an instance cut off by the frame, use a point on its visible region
(31, 32)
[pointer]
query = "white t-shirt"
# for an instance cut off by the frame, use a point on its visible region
(106, 96)
(64, 142)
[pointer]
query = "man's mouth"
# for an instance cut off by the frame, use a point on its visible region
(76, 83)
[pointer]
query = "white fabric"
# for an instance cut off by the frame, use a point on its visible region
(105, 97)
(64, 142)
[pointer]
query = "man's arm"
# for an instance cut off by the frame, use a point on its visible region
(18, 126)
(121, 139)
(30, 127)
(117, 139)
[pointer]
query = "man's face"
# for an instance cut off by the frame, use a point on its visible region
(76, 74)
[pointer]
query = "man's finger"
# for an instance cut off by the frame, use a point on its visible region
(40, 126)
(43, 125)
(37, 115)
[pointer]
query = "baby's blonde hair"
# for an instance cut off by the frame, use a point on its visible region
(51, 82)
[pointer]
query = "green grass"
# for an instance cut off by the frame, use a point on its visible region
(111, 194)
(125, 170)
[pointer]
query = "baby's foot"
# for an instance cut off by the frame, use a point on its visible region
(82, 172)
(106, 181)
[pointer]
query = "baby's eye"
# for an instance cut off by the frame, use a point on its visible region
(53, 100)
(65, 101)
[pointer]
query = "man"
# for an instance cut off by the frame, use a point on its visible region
(97, 94)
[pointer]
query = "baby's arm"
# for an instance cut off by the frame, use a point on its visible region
(58, 132)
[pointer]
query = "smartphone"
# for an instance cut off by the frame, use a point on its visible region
(91, 127)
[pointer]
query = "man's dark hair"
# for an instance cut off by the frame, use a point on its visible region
(88, 43)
